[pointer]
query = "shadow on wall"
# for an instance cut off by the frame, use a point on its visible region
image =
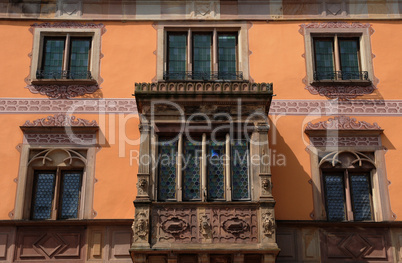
(291, 188)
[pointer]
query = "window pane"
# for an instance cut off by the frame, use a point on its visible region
(53, 58)
(349, 55)
(191, 167)
(79, 58)
(177, 48)
(167, 170)
(324, 59)
(240, 179)
(227, 56)
(361, 201)
(43, 195)
(70, 194)
(335, 197)
(216, 174)
(201, 56)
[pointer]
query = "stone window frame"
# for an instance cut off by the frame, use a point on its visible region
(340, 89)
(62, 142)
(38, 41)
(204, 172)
(362, 137)
(242, 47)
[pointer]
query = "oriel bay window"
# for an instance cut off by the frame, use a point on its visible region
(337, 58)
(202, 55)
(65, 57)
(207, 170)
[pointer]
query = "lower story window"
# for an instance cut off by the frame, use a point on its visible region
(348, 196)
(56, 194)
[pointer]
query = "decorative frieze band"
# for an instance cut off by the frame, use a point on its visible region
(342, 123)
(59, 138)
(60, 120)
(345, 141)
(278, 107)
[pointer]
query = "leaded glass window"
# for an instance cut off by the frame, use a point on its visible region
(65, 57)
(192, 171)
(335, 197)
(324, 58)
(43, 192)
(349, 58)
(70, 194)
(56, 190)
(202, 55)
(240, 176)
(167, 170)
(177, 55)
(79, 57)
(337, 58)
(227, 56)
(216, 170)
(53, 57)
(346, 191)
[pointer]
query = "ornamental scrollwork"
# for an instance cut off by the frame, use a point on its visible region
(235, 226)
(342, 123)
(60, 120)
(268, 224)
(63, 91)
(340, 92)
(174, 225)
(205, 226)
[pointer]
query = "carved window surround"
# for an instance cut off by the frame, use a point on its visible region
(65, 88)
(57, 142)
(341, 89)
(344, 134)
(164, 27)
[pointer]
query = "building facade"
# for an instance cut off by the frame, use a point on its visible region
(200, 131)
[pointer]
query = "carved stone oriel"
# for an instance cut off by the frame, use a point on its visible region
(141, 226)
(268, 224)
(60, 120)
(205, 226)
(142, 186)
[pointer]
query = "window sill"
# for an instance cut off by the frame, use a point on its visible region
(352, 82)
(64, 82)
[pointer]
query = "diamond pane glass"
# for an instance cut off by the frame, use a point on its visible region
(79, 58)
(349, 55)
(201, 54)
(324, 58)
(361, 201)
(227, 56)
(216, 174)
(43, 195)
(177, 48)
(70, 194)
(240, 179)
(167, 170)
(335, 197)
(53, 58)
(191, 175)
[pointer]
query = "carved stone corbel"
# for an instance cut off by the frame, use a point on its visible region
(143, 186)
(205, 227)
(266, 186)
(140, 227)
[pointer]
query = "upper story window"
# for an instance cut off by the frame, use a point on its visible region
(66, 53)
(203, 52)
(215, 171)
(204, 55)
(337, 58)
(338, 53)
(66, 57)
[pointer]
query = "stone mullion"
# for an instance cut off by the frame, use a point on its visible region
(179, 190)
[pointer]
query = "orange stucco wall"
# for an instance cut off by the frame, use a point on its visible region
(128, 49)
